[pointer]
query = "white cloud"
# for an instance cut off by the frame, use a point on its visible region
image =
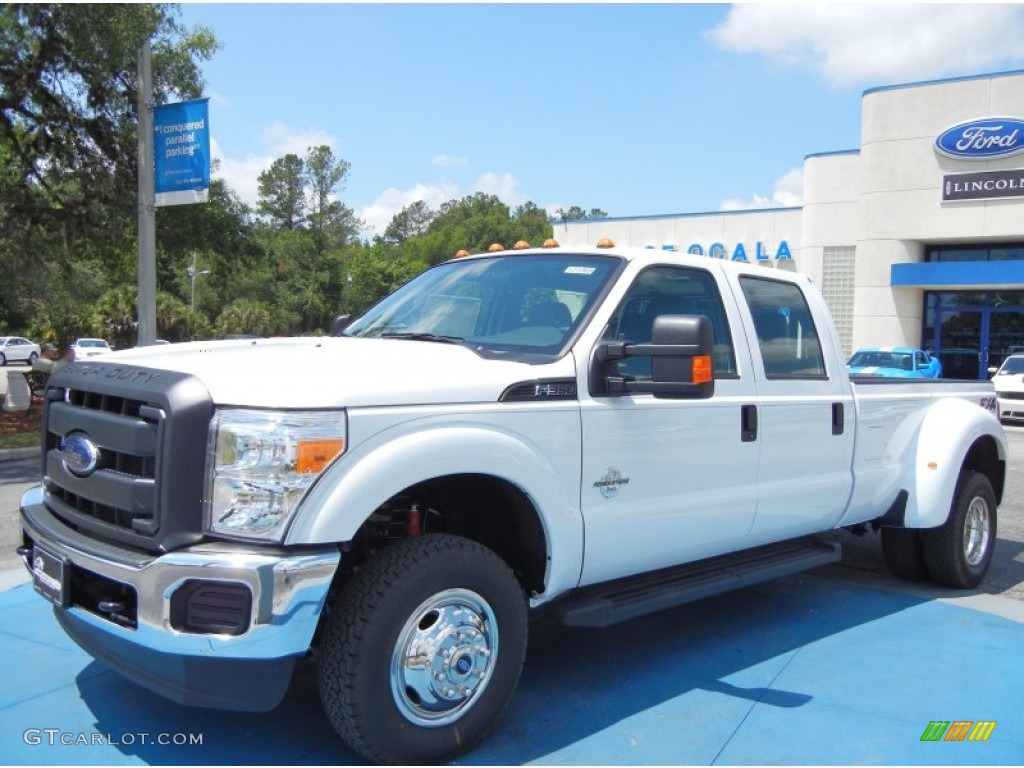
(788, 192)
(379, 213)
(278, 139)
(447, 161)
(287, 140)
(504, 186)
(218, 100)
(552, 209)
(877, 44)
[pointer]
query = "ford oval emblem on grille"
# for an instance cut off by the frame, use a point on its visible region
(80, 454)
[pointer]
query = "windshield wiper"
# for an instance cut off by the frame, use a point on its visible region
(424, 337)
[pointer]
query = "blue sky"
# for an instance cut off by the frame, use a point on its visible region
(634, 109)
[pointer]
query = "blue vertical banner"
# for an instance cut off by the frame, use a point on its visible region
(181, 146)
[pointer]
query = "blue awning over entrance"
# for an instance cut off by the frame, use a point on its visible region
(957, 274)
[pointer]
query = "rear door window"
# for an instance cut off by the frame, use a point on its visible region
(786, 336)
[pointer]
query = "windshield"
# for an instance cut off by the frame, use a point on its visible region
(1012, 365)
(505, 303)
(92, 343)
(865, 359)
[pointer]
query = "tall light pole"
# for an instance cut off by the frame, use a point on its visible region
(146, 203)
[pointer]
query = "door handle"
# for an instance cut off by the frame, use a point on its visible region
(838, 418)
(748, 423)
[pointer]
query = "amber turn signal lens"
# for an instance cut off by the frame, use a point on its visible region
(311, 456)
(701, 369)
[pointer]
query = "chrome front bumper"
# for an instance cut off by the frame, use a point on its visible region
(288, 594)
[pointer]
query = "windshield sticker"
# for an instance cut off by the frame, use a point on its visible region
(580, 270)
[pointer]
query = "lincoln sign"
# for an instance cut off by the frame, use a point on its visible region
(984, 185)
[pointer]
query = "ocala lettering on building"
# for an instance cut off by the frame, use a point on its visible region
(738, 253)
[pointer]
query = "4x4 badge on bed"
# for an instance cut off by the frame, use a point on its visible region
(610, 483)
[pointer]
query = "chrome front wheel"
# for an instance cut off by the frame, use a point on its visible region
(422, 650)
(444, 657)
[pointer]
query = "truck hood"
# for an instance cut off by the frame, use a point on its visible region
(334, 372)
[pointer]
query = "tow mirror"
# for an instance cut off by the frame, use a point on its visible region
(681, 351)
(339, 324)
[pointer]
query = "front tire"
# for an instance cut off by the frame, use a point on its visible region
(422, 650)
(959, 552)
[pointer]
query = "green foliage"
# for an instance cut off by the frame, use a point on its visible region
(245, 316)
(281, 193)
(114, 317)
(333, 222)
(373, 272)
(68, 155)
(174, 320)
(411, 221)
(68, 214)
(473, 223)
(575, 213)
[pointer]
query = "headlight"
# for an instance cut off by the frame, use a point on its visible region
(260, 463)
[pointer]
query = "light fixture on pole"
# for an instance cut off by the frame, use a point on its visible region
(192, 273)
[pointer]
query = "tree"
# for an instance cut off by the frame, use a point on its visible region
(411, 221)
(281, 190)
(575, 213)
(474, 223)
(375, 271)
(68, 169)
(114, 317)
(333, 222)
(174, 320)
(245, 316)
(68, 95)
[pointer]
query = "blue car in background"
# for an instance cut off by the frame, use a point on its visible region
(895, 362)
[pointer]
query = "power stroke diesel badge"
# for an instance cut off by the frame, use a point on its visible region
(610, 483)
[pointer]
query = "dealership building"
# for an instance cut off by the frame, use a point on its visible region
(916, 238)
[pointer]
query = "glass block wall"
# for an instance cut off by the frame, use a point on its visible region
(839, 269)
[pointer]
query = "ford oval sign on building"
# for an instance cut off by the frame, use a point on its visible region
(982, 139)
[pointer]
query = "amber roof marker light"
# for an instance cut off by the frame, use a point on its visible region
(605, 242)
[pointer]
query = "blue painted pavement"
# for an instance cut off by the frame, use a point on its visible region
(808, 670)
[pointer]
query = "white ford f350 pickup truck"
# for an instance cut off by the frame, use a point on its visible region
(594, 433)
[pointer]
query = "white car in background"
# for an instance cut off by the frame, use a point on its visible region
(1009, 383)
(18, 349)
(90, 348)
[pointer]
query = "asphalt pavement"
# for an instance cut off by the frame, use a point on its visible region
(842, 665)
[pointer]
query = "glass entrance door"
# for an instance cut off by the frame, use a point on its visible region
(970, 341)
(1005, 336)
(959, 342)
